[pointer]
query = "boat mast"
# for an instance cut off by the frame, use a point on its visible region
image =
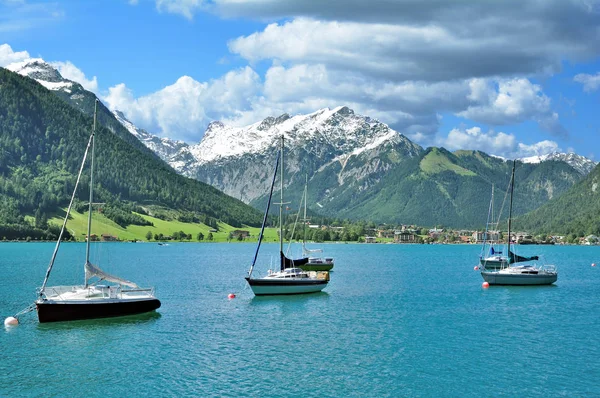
(281, 205)
(512, 188)
(305, 220)
(89, 226)
(262, 228)
(62, 229)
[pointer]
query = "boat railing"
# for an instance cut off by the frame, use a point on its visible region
(142, 292)
(58, 291)
(549, 267)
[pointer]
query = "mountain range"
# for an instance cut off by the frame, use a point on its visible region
(358, 167)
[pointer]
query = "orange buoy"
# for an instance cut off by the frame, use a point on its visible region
(231, 296)
(475, 268)
(485, 285)
(11, 321)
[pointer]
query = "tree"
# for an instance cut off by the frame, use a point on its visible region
(200, 236)
(210, 236)
(149, 235)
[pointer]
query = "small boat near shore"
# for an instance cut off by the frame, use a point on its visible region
(97, 298)
(290, 278)
(504, 273)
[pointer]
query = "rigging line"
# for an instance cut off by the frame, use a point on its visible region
(487, 224)
(62, 230)
(25, 311)
(503, 202)
(294, 229)
(262, 229)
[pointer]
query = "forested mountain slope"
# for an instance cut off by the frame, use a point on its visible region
(42, 140)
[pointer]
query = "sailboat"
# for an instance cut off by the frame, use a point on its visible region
(290, 278)
(314, 263)
(492, 256)
(107, 295)
(527, 274)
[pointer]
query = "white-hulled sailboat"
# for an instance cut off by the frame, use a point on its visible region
(314, 263)
(527, 274)
(92, 299)
(290, 279)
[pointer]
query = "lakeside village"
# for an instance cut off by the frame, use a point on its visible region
(380, 234)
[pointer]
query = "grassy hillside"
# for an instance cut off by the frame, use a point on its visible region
(436, 162)
(77, 227)
(454, 189)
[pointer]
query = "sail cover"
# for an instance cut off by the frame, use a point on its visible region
(92, 270)
(515, 258)
(289, 263)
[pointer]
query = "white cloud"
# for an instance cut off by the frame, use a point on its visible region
(513, 101)
(8, 56)
(406, 62)
(182, 110)
(590, 82)
(187, 8)
(537, 149)
(495, 143)
(409, 40)
(474, 138)
(71, 72)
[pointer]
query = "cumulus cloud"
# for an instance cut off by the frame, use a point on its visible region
(183, 109)
(71, 72)
(406, 62)
(414, 40)
(474, 138)
(495, 143)
(590, 82)
(538, 149)
(8, 56)
(511, 101)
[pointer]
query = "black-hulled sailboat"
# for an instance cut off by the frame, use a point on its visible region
(526, 274)
(104, 297)
(290, 279)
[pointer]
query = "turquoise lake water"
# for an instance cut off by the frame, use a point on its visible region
(395, 320)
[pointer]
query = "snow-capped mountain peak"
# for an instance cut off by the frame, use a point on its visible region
(579, 163)
(340, 126)
(43, 73)
(167, 149)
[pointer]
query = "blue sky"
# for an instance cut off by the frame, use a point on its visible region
(512, 78)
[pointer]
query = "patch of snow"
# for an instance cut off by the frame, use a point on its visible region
(56, 86)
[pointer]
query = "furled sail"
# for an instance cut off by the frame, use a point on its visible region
(92, 270)
(289, 263)
(515, 258)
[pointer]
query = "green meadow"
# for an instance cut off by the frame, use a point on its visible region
(101, 225)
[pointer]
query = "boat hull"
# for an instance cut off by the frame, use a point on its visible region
(316, 267)
(57, 311)
(493, 264)
(497, 278)
(272, 287)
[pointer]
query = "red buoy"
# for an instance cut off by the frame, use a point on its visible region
(475, 268)
(231, 296)
(485, 285)
(593, 264)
